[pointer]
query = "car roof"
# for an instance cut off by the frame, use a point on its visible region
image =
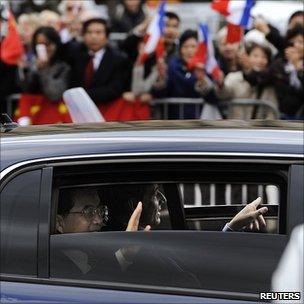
(35, 142)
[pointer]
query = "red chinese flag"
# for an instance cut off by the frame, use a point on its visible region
(11, 46)
(234, 33)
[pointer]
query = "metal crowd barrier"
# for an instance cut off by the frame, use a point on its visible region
(262, 107)
(160, 106)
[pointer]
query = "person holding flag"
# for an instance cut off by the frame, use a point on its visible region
(149, 47)
(204, 54)
(228, 55)
(187, 77)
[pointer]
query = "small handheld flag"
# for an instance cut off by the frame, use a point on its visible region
(154, 41)
(205, 53)
(237, 14)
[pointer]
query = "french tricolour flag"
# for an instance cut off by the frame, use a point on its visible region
(205, 53)
(154, 41)
(237, 14)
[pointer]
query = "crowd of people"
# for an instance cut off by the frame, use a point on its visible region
(74, 49)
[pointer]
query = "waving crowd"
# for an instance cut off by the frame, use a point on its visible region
(75, 49)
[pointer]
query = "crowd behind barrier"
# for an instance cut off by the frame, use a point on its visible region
(102, 49)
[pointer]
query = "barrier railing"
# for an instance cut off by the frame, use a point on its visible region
(259, 109)
(160, 106)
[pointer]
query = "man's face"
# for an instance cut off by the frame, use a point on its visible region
(77, 221)
(171, 30)
(95, 37)
(153, 202)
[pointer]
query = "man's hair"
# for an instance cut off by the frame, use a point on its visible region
(266, 49)
(296, 14)
(171, 15)
(293, 32)
(69, 197)
(102, 21)
(187, 34)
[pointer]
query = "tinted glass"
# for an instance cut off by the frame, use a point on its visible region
(19, 224)
(200, 260)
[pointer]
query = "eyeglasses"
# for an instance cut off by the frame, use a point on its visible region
(90, 211)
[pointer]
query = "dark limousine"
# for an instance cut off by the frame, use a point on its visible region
(205, 173)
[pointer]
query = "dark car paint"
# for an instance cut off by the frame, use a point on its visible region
(43, 142)
(34, 142)
(50, 294)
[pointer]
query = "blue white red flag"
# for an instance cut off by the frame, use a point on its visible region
(205, 53)
(237, 14)
(154, 41)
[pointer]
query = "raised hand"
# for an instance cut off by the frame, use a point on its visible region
(134, 219)
(250, 217)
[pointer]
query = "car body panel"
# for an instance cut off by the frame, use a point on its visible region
(24, 144)
(237, 141)
(12, 292)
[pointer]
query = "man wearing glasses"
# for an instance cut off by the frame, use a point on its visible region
(80, 210)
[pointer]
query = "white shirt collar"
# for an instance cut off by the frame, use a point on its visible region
(97, 58)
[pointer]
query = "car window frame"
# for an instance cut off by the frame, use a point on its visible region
(242, 168)
(63, 161)
(3, 185)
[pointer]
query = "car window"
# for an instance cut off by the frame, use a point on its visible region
(115, 203)
(19, 224)
(209, 206)
(198, 196)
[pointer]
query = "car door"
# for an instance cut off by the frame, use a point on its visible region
(165, 256)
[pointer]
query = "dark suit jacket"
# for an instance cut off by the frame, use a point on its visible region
(109, 79)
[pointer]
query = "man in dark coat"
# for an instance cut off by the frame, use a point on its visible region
(96, 66)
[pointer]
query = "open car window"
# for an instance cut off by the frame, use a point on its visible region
(209, 206)
(203, 200)
(116, 205)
